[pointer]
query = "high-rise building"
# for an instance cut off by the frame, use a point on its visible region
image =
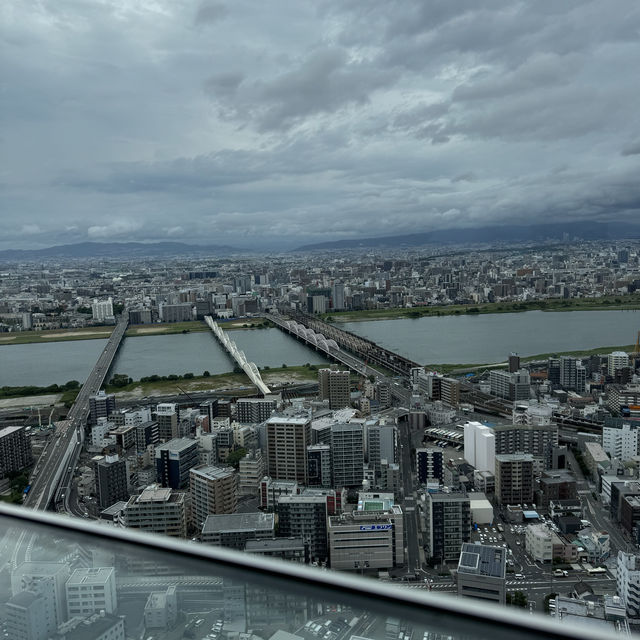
(628, 582)
(514, 478)
(214, 490)
(102, 310)
(250, 473)
(101, 405)
(174, 460)
(347, 454)
(512, 386)
(254, 410)
(334, 386)
(304, 516)
(514, 362)
(287, 442)
(167, 419)
(616, 360)
(482, 572)
(479, 446)
(111, 480)
(157, 510)
(447, 525)
(430, 464)
(15, 450)
(320, 469)
(380, 445)
(573, 375)
(620, 440)
(536, 439)
(91, 591)
(337, 296)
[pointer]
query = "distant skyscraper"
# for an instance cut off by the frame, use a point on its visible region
(514, 362)
(338, 296)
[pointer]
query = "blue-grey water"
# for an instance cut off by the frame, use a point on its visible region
(42, 364)
(449, 339)
(488, 338)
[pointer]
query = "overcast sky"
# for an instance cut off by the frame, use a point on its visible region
(285, 122)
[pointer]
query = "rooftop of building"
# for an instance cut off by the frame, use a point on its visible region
(289, 420)
(98, 575)
(274, 545)
(478, 559)
(9, 430)
(238, 522)
(514, 457)
(154, 493)
(212, 472)
(177, 444)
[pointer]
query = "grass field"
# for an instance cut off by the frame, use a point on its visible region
(55, 335)
(272, 377)
(574, 304)
(93, 333)
(463, 368)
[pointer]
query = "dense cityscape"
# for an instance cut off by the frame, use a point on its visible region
(514, 480)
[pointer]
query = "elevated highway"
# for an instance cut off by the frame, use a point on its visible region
(54, 469)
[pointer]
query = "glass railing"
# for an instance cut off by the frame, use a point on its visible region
(81, 579)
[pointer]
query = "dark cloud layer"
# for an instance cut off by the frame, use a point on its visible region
(264, 124)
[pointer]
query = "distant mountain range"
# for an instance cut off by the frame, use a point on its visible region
(115, 250)
(493, 234)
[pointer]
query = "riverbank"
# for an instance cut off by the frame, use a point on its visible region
(456, 369)
(273, 377)
(96, 333)
(606, 303)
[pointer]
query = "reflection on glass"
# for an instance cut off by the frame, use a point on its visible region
(67, 584)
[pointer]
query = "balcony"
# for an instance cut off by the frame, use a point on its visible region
(207, 592)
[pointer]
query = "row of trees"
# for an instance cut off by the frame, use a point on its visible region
(19, 392)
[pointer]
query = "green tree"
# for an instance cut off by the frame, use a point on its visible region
(235, 456)
(206, 374)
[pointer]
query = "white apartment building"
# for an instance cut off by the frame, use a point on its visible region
(91, 591)
(616, 360)
(479, 446)
(620, 441)
(102, 310)
(539, 542)
(628, 582)
(251, 472)
(158, 510)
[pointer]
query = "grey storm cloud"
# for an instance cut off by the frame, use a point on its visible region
(259, 124)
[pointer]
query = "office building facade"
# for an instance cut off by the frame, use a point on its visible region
(15, 450)
(334, 386)
(514, 478)
(447, 525)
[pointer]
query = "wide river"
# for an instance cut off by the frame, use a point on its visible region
(449, 339)
(488, 338)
